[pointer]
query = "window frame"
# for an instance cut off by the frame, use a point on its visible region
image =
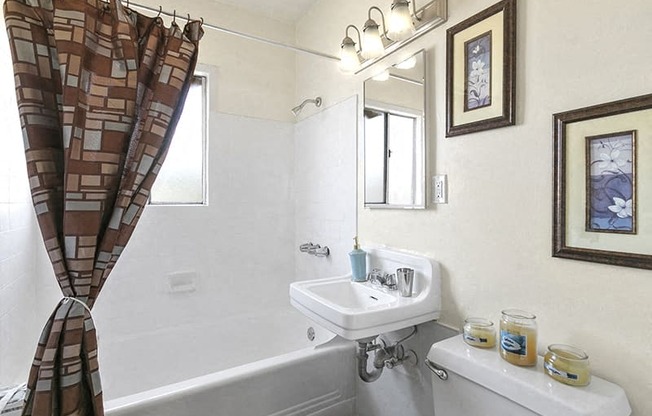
(204, 76)
(417, 183)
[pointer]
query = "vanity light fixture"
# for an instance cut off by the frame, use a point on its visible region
(349, 58)
(404, 24)
(401, 25)
(372, 42)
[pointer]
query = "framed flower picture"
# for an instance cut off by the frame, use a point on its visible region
(602, 183)
(480, 73)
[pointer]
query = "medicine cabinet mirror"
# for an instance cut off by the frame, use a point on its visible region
(394, 136)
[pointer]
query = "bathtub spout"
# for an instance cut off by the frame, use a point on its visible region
(379, 362)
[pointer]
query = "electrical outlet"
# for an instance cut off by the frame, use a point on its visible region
(439, 189)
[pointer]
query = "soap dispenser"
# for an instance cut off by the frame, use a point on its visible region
(358, 262)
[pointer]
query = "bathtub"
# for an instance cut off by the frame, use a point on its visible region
(249, 365)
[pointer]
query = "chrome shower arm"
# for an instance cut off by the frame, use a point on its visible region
(316, 101)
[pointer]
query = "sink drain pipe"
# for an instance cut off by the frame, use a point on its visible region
(385, 356)
(365, 346)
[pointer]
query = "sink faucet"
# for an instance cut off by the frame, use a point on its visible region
(378, 278)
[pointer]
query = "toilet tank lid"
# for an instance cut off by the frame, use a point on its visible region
(529, 386)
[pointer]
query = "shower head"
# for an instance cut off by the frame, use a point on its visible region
(296, 110)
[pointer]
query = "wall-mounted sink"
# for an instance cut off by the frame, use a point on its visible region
(361, 310)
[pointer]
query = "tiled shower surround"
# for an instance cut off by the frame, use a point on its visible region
(18, 233)
(271, 185)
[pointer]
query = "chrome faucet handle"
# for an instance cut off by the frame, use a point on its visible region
(313, 249)
(379, 278)
(376, 277)
(304, 248)
(390, 281)
(322, 251)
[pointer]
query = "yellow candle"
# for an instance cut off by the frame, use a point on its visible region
(518, 337)
(568, 365)
(479, 332)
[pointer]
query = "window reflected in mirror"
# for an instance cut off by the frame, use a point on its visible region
(394, 146)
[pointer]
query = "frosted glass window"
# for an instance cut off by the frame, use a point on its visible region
(182, 180)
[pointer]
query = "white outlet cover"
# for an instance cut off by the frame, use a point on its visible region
(440, 189)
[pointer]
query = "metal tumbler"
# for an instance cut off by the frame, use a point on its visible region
(405, 277)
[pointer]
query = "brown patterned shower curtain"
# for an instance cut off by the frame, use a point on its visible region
(100, 90)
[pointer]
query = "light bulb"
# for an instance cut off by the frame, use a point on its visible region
(349, 59)
(401, 26)
(372, 44)
(383, 76)
(407, 64)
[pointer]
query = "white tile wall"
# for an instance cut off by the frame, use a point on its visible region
(18, 329)
(325, 188)
(239, 247)
(267, 180)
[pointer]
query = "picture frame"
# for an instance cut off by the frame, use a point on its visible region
(602, 201)
(481, 71)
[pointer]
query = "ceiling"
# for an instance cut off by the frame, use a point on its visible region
(284, 10)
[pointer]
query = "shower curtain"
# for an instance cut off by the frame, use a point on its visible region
(100, 90)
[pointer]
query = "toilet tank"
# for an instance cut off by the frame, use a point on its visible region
(481, 383)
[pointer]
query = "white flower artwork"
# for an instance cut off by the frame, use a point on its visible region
(612, 161)
(622, 208)
(478, 72)
(611, 195)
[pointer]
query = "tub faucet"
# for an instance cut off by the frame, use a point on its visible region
(321, 251)
(315, 250)
(305, 248)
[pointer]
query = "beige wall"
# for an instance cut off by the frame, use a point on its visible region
(493, 238)
(253, 79)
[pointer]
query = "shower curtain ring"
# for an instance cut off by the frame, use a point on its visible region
(174, 17)
(160, 10)
(189, 20)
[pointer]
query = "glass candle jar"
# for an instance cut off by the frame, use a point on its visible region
(568, 365)
(518, 337)
(479, 332)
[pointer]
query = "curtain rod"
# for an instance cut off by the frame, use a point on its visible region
(239, 34)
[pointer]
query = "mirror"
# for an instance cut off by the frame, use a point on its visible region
(394, 136)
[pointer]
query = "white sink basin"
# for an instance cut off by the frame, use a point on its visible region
(343, 293)
(360, 310)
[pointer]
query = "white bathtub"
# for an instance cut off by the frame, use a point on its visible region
(252, 365)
